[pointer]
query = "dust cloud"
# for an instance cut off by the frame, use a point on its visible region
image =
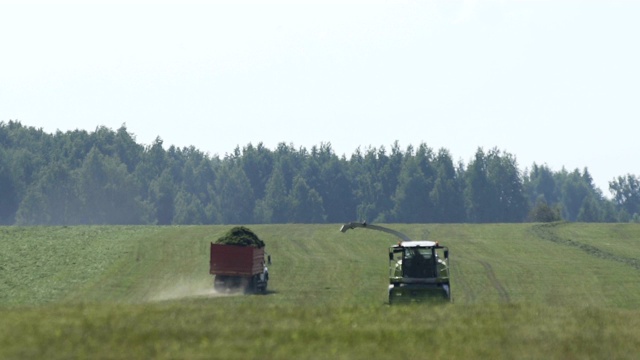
(185, 289)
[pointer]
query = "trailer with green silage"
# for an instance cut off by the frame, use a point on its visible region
(238, 262)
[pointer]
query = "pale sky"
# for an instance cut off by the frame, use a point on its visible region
(551, 82)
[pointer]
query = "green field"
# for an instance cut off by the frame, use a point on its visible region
(520, 291)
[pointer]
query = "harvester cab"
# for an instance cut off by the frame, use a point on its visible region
(419, 270)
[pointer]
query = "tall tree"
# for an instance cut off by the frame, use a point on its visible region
(574, 191)
(479, 193)
(198, 175)
(626, 193)
(275, 207)
(107, 192)
(52, 200)
(336, 190)
(188, 209)
(510, 202)
(33, 209)
(412, 202)
(540, 182)
(152, 164)
(126, 148)
(447, 194)
(590, 211)
(388, 173)
(306, 203)
(162, 194)
(257, 163)
(8, 193)
(234, 195)
(366, 188)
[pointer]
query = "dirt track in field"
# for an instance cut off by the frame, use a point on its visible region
(460, 281)
(502, 292)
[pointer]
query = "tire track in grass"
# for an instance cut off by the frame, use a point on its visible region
(461, 282)
(502, 292)
(547, 232)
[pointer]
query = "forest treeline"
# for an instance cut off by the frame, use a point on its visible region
(106, 177)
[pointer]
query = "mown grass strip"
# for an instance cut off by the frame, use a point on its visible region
(550, 232)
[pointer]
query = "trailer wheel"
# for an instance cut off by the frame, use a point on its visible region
(219, 283)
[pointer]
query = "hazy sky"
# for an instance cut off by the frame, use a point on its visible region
(555, 82)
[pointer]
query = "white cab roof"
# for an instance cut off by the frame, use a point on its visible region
(418, 243)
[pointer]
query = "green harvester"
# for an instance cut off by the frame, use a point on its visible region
(419, 269)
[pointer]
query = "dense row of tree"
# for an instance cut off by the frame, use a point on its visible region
(106, 177)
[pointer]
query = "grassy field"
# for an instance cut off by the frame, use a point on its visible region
(520, 291)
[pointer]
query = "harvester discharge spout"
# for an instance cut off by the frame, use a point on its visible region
(364, 225)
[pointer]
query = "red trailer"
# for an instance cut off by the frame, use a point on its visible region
(238, 268)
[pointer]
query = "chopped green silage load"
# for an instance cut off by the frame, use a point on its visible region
(240, 236)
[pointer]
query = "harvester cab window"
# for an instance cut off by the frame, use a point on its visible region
(417, 253)
(418, 263)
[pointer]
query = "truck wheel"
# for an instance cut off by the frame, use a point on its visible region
(219, 283)
(252, 286)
